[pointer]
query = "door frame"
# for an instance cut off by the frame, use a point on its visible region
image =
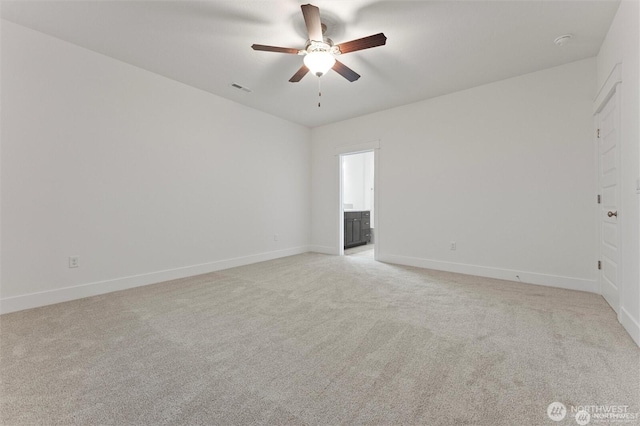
(609, 89)
(340, 152)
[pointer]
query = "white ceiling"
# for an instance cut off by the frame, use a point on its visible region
(433, 47)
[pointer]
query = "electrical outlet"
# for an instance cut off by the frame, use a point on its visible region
(275, 237)
(452, 245)
(74, 261)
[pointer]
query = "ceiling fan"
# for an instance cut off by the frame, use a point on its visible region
(320, 52)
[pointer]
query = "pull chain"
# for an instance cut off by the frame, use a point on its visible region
(319, 92)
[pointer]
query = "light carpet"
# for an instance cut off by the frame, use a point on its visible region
(318, 340)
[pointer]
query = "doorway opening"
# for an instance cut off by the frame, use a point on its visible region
(357, 204)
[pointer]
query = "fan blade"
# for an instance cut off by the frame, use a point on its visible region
(299, 74)
(312, 18)
(363, 43)
(274, 49)
(345, 71)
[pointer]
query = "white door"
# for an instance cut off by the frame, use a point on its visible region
(608, 175)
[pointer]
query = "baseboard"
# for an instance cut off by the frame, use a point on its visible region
(324, 250)
(34, 300)
(569, 283)
(631, 325)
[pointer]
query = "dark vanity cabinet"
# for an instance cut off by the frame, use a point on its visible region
(357, 228)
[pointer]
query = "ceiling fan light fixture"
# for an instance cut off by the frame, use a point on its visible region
(319, 62)
(319, 54)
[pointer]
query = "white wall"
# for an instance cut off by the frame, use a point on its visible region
(143, 177)
(358, 183)
(507, 170)
(622, 45)
(369, 182)
(353, 169)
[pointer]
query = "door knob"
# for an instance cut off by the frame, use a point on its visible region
(612, 214)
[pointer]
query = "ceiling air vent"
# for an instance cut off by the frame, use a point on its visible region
(244, 89)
